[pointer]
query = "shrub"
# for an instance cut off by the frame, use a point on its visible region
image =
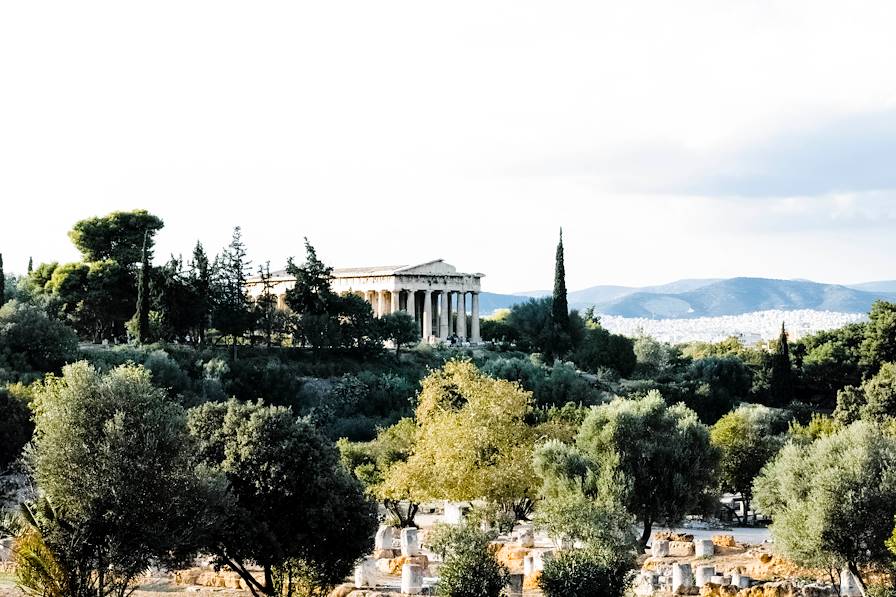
(585, 573)
(16, 427)
(30, 342)
(469, 567)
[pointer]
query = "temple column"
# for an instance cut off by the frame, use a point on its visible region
(370, 295)
(474, 319)
(427, 315)
(396, 296)
(443, 315)
(411, 305)
(462, 315)
(381, 308)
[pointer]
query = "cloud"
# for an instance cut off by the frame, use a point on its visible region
(850, 154)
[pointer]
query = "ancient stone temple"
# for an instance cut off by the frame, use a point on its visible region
(434, 293)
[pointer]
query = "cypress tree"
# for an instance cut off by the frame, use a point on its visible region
(143, 296)
(30, 265)
(560, 307)
(781, 379)
(2, 282)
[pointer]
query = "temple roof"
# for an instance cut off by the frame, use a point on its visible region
(434, 267)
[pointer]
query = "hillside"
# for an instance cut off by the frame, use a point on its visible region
(743, 295)
(712, 297)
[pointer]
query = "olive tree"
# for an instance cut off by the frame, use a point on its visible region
(664, 452)
(832, 502)
(113, 458)
(288, 505)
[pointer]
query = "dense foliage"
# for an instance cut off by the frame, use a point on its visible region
(469, 567)
(286, 505)
(833, 501)
(113, 461)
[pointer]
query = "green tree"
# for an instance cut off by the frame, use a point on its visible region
(16, 427)
(469, 568)
(233, 315)
(112, 453)
(96, 298)
(118, 236)
(583, 499)
(832, 502)
(875, 400)
(533, 327)
(473, 441)
(780, 376)
(200, 281)
(400, 328)
(266, 304)
(746, 439)
(143, 298)
(600, 349)
(311, 291)
(294, 511)
(663, 450)
(2, 282)
(714, 385)
(32, 343)
(832, 361)
(371, 463)
(311, 299)
(559, 306)
(879, 345)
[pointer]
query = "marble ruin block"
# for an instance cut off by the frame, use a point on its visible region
(704, 548)
(740, 581)
(411, 579)
(703, 574)
(681, 549)
(385, 538)
(529, 565)
(660, 549)
(682, 578)
(410, 543)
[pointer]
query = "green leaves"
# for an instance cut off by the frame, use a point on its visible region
(833, 501)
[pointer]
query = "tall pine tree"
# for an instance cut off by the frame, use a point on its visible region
(143, 295)
(2, 282)
(201, 280)
(560, 307)
(233, 315)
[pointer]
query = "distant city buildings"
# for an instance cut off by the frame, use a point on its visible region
(750, 328)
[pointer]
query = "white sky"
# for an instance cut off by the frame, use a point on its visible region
(669, 139)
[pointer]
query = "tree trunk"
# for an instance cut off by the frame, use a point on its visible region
(645, 536)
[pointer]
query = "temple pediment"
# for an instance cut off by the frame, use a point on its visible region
(436, 267)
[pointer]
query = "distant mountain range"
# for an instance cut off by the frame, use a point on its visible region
(712, 297)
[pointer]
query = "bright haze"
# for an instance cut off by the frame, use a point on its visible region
(669, 139)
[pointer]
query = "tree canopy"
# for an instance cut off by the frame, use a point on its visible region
(473, 441)
(663, 450)
(117, 236)
(293, 509)
(112, 457)
(832, 501)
